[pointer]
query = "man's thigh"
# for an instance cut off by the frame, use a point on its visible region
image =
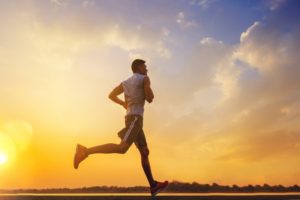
(131, 131)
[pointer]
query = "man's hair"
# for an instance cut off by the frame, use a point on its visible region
(136, 63)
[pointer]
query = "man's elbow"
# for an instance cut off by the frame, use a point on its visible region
(111, 96)
(149, 99)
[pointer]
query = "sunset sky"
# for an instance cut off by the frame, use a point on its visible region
(225, 76)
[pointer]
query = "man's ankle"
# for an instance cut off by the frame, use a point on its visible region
(153, 184)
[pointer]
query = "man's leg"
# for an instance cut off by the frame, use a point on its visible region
(109, 148)
(83, 152)
(127, 135)
(141, 144)
(144, 151)
(155, 186)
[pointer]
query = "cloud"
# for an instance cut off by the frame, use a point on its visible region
(245, 34)
(270, 56)
(203, 4)
(135, 43)
(165, 32)
(88, 3)
(266, 145)
(209, 40)
(52, 67)
(263, 71)
(255, 87)
(124, 39)
(274, 4)
(183, 22)
(60, 2)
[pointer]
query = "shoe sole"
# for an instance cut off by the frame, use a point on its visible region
(74, 161)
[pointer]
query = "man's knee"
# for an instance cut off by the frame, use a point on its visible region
(124, 147)
(144, 151)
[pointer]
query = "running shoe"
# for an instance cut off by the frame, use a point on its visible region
(158, 188)
(80, 155)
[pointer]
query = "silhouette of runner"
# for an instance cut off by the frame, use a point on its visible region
(136, 90)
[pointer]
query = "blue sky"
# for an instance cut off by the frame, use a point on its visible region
(224, 20)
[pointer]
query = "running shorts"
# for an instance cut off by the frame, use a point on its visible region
(133, 131)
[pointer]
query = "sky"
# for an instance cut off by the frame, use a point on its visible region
(225, 76)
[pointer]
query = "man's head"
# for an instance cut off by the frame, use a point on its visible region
(138, 66)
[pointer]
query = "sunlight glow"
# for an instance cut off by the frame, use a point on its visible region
(8, 149)
(3, 158)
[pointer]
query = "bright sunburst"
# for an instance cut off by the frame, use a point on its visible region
(3, 158)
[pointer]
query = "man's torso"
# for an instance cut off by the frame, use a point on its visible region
(134, 94)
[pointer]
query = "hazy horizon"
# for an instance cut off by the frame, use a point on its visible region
(145, 185)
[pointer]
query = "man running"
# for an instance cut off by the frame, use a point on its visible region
(136, 90)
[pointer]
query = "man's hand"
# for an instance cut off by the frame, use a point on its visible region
(114, 96)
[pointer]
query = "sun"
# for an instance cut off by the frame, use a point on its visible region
(3, 158)
(8, 150)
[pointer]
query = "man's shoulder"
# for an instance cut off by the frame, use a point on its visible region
(127, 79)
(135, 77)
(141, 76)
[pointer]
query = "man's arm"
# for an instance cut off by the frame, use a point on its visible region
(114, 95)
(148, 91)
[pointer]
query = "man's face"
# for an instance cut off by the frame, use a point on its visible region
(143, 69)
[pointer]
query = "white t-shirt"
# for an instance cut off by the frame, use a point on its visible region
(134, 94)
